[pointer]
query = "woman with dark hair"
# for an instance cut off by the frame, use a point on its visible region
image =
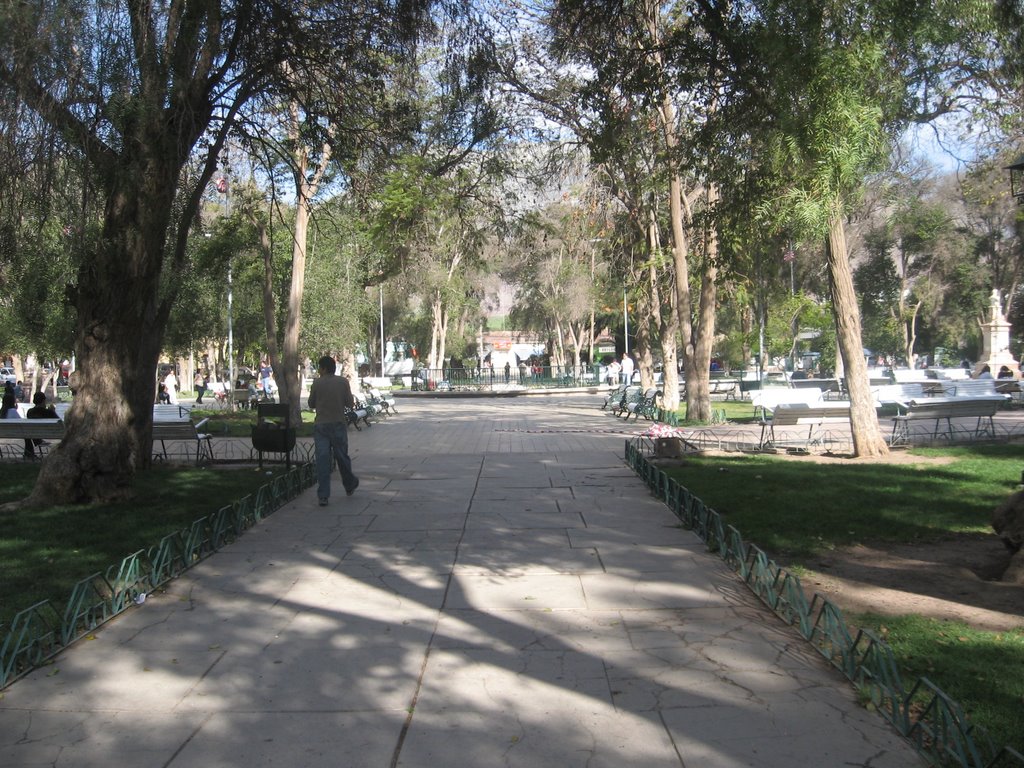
(9, 408)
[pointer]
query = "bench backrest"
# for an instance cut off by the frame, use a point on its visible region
(908, 376)
(632, 393)
(951, 374)
(174, 430)
(954, 407)
(801, 413)
(38, 429)
(170, 412)
(771, 398)
(975, 388)
(898, 393)
(825, 385)
(719, 385)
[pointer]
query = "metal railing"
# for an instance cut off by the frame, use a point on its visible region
(42, 630)
(933, 722)
(487, 379)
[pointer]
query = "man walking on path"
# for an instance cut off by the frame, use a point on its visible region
(329, 396)
(199, 382)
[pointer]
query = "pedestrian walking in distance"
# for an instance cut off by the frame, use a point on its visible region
(330, 396)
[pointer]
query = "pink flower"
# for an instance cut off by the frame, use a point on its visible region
(658, 430)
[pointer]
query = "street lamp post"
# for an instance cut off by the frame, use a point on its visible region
(383, 351)
(1016, 170)
(625, 321)
(231, 335)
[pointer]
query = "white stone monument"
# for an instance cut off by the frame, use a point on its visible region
(995, 342)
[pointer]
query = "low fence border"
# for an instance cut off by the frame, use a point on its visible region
(43, 630)
(931, 720)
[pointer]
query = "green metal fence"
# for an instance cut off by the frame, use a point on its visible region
(486, 379)
(934, 723)
(44, 629)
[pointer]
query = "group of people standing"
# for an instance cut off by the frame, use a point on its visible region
(168, 389)
(621, 371)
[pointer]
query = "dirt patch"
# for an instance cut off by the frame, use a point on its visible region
(956, 578)
(952, 579)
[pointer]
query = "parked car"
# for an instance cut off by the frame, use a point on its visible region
(8, 375)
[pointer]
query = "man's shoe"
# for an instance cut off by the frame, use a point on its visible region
(350, 491)
(323, 502)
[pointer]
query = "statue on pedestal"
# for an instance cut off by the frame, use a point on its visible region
(995, 344)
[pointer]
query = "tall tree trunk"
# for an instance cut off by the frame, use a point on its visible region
(576, 341)
(306, 188)
(641, 350)
(287, 374)
(746, 328)
(558, 351)
(269, 300)
(867, 436)
(668, 322)
(697, 341)
(698, 405)
(911, 335)
(439, 331)
(124, 293)
(119, 334)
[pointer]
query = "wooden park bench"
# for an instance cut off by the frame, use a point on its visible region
(28, 429)
(384, 401)
(614, 397)
(766, 400)
(822, 385)
(630, 395)
(814, 416)
(897, 395)
(941, 411)
(1010, 388)
(647, 405)
(171, 411)
(167, 428)
(977, 388)
(722, 385)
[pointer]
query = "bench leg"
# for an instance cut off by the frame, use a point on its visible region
(900, 432)
(815, 439)
(204, 447)
(949, 428)
(981, 429)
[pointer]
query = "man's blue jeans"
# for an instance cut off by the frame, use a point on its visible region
(331, 443)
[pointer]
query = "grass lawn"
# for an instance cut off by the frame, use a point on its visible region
(225, 423)
(792, 509)
(44, 553)
(982, 671)
(737, 411)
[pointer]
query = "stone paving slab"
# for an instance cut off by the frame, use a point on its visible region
(500, 591)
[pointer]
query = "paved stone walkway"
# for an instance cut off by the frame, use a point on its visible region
(501, 591)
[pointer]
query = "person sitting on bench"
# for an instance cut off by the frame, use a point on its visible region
(9, 409)
(40, 410)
